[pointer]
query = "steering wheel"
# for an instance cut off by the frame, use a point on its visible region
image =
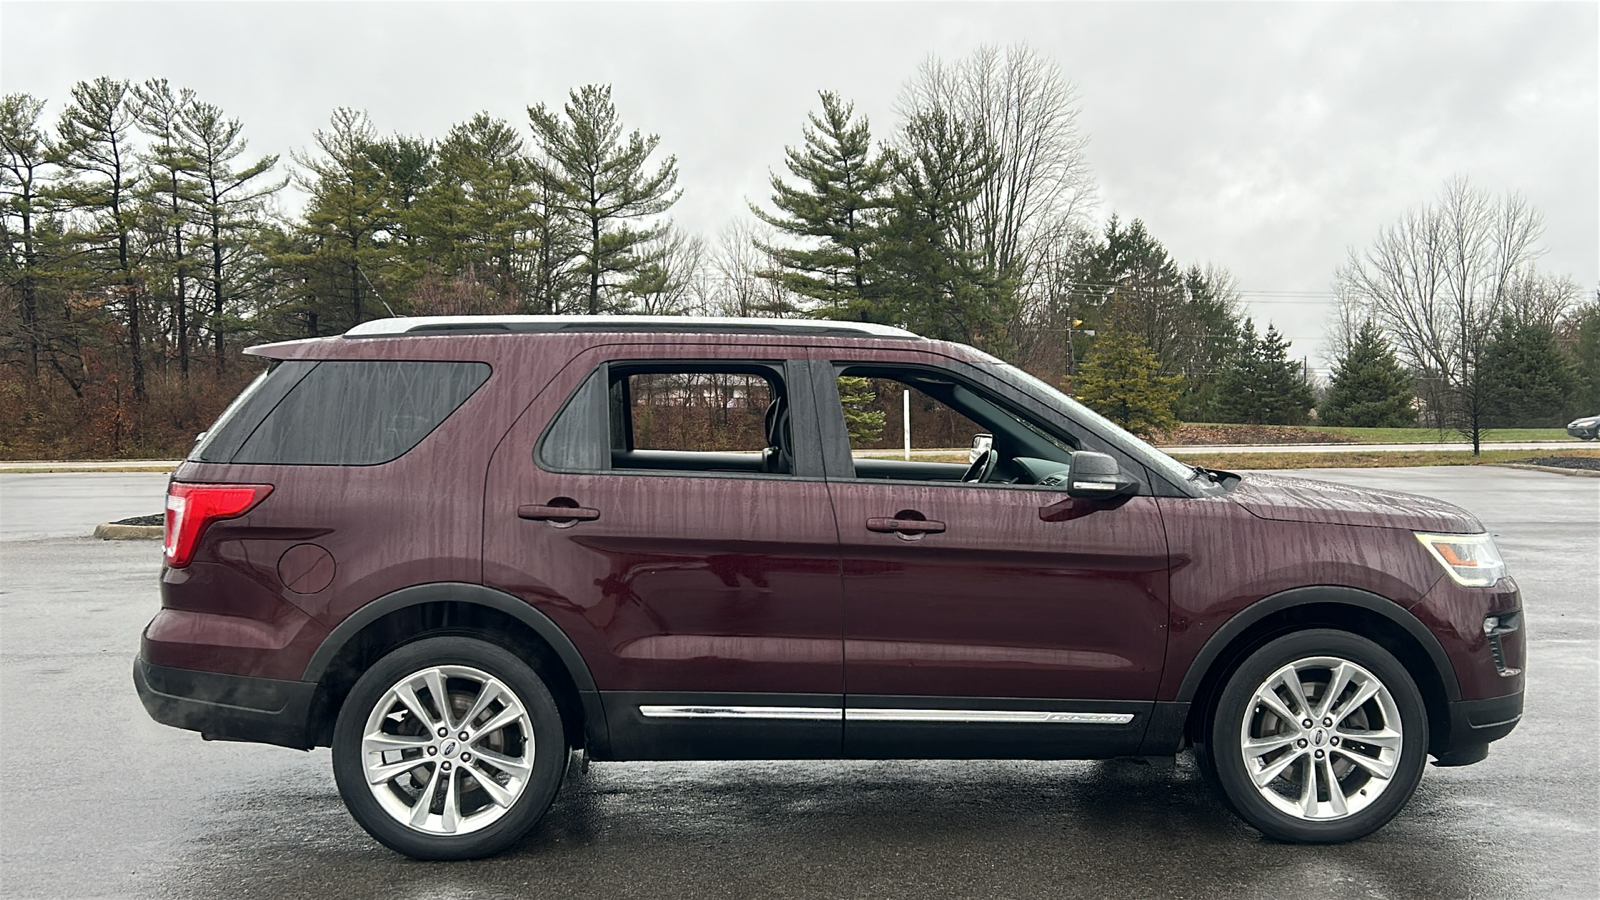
(981, 468)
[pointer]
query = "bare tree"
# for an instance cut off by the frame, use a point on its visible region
(1437, 281)
(668, 285)
(737, 286)
(1042, 187)
(1542, 300)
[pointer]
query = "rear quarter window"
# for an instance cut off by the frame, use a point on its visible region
(354, 413)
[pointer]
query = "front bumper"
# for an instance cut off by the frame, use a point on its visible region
(1473, 724)
(227, 707)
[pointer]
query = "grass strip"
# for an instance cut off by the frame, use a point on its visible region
(1371, 460)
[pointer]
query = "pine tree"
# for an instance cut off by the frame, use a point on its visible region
(935, 281)
(1526, 380)
(479, 207)
(1120, 380)
(230, 211)
(1260, 385)
(172, 192)
(340, 238)
(862, 418)
(1370, 388)
(1127, 281)
(1585, 361)
(603, 183)
(834, 208)
(94, 150)
(22, 172)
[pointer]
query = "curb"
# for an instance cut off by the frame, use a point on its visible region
(106, 531)
(57, 468)
(1558, 470)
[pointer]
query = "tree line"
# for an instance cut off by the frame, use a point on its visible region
(145, 246)
(1447, 317)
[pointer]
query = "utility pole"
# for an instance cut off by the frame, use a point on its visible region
(906, 419)
(1072, 360)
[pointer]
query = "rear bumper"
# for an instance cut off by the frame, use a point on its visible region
(1473, 724)
(227, 707)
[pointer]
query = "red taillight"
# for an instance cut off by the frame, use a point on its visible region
(191, 507)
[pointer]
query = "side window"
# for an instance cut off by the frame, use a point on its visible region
(360, 413)
(729, 417)
(715, 412)
(952, 427)
(875, 413)
(576, 439)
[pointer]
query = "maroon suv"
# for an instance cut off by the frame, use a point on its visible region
(454, 550)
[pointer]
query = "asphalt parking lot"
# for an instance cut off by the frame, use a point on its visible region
(102, 802)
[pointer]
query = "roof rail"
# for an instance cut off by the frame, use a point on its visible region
(434, 325)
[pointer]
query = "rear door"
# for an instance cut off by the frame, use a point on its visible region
(661, 506)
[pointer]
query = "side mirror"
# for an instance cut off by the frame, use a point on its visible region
(981, 444)
(1095, 476)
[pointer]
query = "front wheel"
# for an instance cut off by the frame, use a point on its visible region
(1318, 737)
(448, 748)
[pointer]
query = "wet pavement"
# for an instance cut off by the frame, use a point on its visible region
(99, 801)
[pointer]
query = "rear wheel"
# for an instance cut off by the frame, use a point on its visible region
(448, 748)
(1318, 737)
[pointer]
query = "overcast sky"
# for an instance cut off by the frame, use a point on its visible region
(1268, 138)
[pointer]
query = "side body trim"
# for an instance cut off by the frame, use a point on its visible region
(1031, 717)
(987, 716)
(808, 713)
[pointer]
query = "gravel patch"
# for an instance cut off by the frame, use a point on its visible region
(1592, 463)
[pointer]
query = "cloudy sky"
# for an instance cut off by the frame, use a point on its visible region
(1269, 138)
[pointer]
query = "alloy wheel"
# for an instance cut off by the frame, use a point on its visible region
(447, 750)
(1322, 738)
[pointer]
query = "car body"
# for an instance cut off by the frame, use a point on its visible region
(402, 536)
(1587, 428)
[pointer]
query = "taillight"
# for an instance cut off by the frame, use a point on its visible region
(191, 507)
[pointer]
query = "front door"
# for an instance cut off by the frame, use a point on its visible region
(671, 524)
(994, 617)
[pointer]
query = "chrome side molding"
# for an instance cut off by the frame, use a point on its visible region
(742, 712)
(1040, 717)
(822, 713)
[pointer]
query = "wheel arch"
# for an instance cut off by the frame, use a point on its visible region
(428, 610)
(1349, 609)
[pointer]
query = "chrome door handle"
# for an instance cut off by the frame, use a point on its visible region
(889, 525)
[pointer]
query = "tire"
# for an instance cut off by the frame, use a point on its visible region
(484, 791)
(1364, 750)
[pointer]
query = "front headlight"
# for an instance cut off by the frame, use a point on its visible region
(1471, 559)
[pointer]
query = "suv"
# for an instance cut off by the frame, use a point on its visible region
(457, 549)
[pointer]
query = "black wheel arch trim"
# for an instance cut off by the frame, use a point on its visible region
(478, 595)
(1335, 595)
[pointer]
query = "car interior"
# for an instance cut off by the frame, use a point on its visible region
(1020, 453)
(658, 412)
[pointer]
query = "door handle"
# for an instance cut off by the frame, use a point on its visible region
(888, 525)
(557, 514)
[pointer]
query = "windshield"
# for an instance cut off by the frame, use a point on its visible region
(1130, 442)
